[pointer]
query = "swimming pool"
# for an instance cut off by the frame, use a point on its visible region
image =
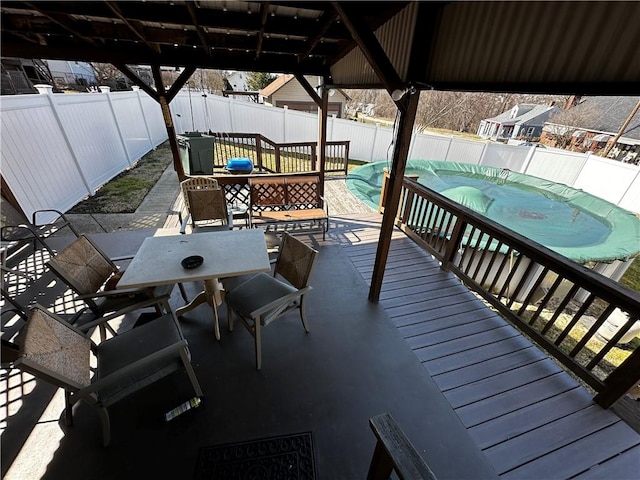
(571, 222)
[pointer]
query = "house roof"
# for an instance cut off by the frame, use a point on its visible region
(528, 113)
(610, 115)
(442, 45)
(281, 81)
(276, 85)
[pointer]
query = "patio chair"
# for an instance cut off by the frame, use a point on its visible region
(93, 276)
(60, 354)
(263, 298)
(206, 205)
(16, 230)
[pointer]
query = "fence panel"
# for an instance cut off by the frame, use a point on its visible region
(36, 159)
(131, 124)
(95, 138)
(430, 147)
(505, 156)
(155, 121)
(465, 151)
(617, 175)
(560, 167)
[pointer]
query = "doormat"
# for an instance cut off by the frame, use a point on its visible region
(288, 457)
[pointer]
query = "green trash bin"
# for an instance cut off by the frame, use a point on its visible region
(196, 153)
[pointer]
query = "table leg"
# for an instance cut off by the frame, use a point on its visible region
(212, 290)
(213, 296)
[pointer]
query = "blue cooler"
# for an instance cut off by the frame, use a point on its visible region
(240, 166)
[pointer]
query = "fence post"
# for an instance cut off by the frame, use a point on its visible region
(484, 152)
(527, 161)
(285, 111)
(446, 154)
(107, 91)
(48, 91)
(230, 114)
(136, 89)
(412, 146)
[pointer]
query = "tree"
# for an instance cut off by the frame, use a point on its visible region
(105, 72)
(564, 124)
(259, 80)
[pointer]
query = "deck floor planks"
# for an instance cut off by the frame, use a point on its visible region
(555, 435)
(470, 374)
(529, 418)
(514, 401)
(617, 467)
(593, 449)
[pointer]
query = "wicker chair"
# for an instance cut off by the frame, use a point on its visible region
(262, 298)
(206, 205)
(60, 354)
(93, 276)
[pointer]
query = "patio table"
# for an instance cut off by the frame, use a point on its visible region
(226, 254)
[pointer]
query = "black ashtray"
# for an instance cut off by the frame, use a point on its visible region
(193, 261)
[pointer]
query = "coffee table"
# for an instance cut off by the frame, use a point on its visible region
(226, 254)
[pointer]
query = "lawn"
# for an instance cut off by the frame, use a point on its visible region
(125, 192)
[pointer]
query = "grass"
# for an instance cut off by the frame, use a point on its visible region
(631, 277)
(125, 192)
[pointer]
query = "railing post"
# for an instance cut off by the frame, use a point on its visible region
(314, 156)
(620, 380)
(383, 190)
(346, 157)
(394, 451)
(276, 150)
(258, 140)
(454, 244)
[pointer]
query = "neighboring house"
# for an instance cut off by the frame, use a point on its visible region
(524, 121)
(602, 118)
(72, 74)
(236, 87)
(287, 91)
(19, 75)
(238, 81)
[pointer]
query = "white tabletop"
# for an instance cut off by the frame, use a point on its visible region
(226, 254)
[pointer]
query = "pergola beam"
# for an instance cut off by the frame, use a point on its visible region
(192, 8)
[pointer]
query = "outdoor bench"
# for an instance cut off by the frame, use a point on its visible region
(284, 199)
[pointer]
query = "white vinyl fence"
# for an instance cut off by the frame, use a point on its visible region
(58, 149)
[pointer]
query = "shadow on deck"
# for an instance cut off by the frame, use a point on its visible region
(486, 402)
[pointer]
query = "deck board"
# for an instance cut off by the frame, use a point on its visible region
(523, 410)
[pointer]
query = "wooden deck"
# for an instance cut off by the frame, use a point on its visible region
(529, 417)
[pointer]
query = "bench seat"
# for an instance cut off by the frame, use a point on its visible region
(288, 200)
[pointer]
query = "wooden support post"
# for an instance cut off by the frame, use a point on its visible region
(322, 136)
(168, 122)
(407, 109)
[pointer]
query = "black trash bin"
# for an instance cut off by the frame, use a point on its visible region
(196, 153)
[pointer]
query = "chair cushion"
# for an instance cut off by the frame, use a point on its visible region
(256, 292)
(134, 345)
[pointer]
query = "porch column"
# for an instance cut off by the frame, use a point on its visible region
(322, 135)
(402, 142)
(168, 122)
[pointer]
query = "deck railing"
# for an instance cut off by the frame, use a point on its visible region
(558, 303)
(269, 156)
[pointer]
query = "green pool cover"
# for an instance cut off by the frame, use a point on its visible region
(571, 222)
